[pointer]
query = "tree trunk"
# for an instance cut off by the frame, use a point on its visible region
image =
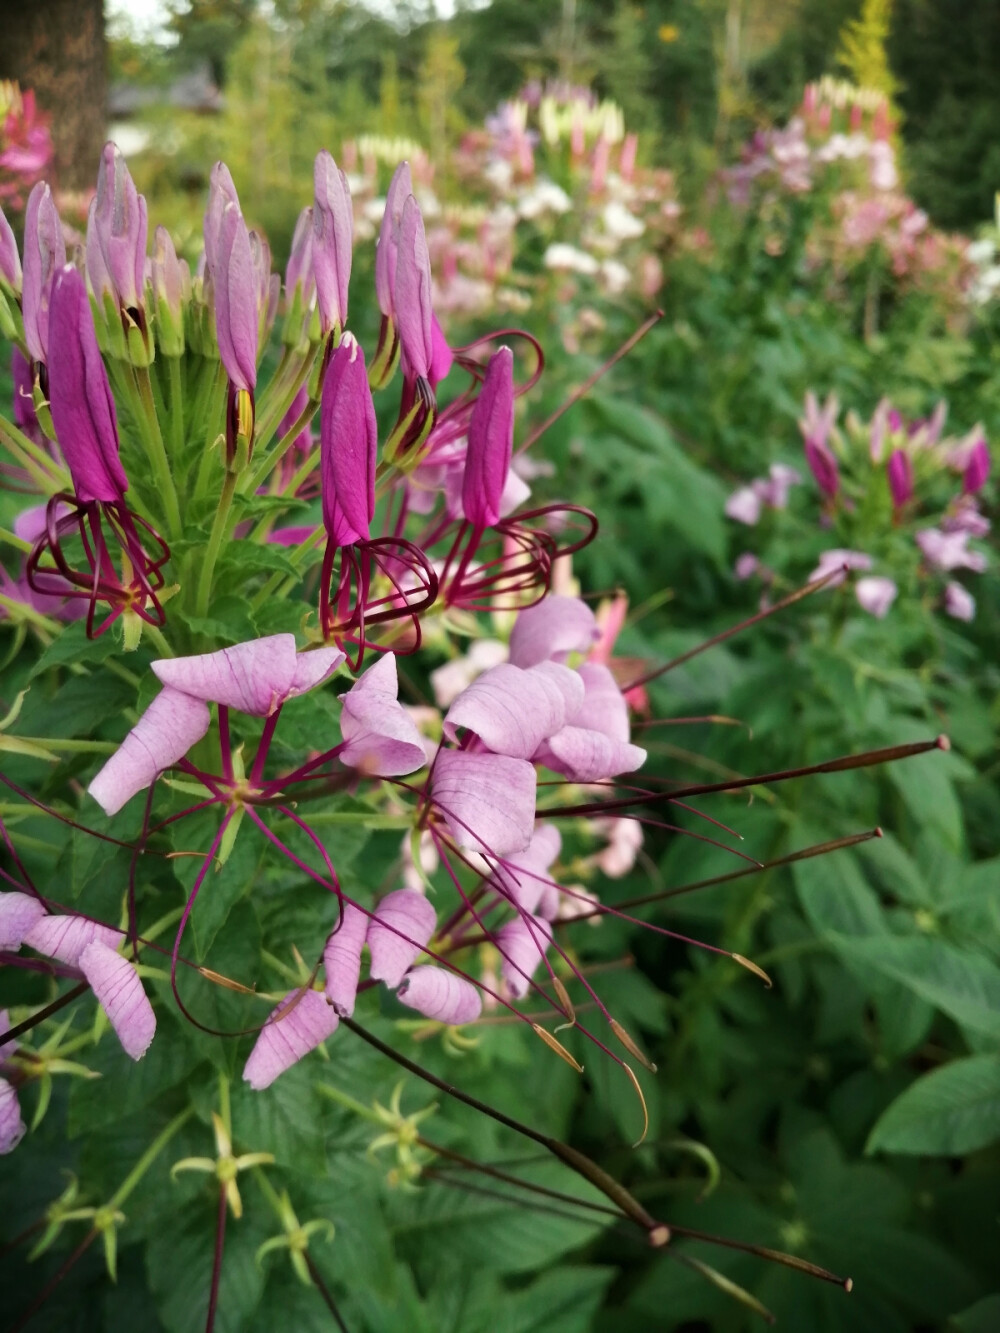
(57, 48)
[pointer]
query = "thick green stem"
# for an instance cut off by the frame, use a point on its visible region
(215, 540)
(157, 454)
(148, 1158)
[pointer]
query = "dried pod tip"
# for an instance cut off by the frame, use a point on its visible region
(642, 1102)
(558, 1047)
(752, 967)
(631, 1046)
(564, 1001)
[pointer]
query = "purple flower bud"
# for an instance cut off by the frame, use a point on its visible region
(83, 410)
(894, 419)
(444, 357)
(348, 446)
(303, 442)
(44, 255)
(332, 237)
(12, 1127)
(221, 191)
(900, 473)
(299, 270)
(171, 277)
(400, 188)
(235, 280)
(977, 469)
(412, 294)
(491, 442)
(823, 466)
(10, 260)
(744, 506)
(116, 234)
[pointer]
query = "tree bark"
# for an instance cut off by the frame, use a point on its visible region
(57, 48)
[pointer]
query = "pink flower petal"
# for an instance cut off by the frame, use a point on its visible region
(403, 923)
(168, 728)
(437, 993)
(381, 737)
(604, 708)
(585, 755)
(551, 629)
(12, 1127)
(291, 1031)
(511, 710)
(487, 800)
(254, 677)
(523, 943)
(119, 992)
(523, 878)
(66, 937)
(18, 913)
(491, 440)
(312, 668)
(342, 959)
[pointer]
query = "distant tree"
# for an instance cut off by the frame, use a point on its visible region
(57, 48)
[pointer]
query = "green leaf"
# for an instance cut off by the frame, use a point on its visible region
(126, 1086)
(963, 984)
(72, 645)
(953, 1110)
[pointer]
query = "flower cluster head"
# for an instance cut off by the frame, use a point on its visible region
(25, 144)
(902, 497)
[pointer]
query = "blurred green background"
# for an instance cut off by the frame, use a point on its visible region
(770, 1114)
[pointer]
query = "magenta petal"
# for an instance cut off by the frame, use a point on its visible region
(116, 233)
(439, 994)
(333, 229)
(511, 711)
(443, 358)
(298, 270)
(348, 446)
(301, 1021)
(83, 410)
(552, 628)
(65, 938)
(523, 878)
(403, 923)
(12, 1127)
(10, 260)
(342, 959)
(18, 913)
(168, 728)
(380, 735)
(585, 755)
(900, 473)
(119, 992)
(491, 441)
(255, 677)
(487, 800)
(400, 188)
(412, 293)
(221, 191)
(523, 943)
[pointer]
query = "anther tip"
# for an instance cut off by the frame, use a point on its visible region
(659, 1236)
(877, 831)
(944, 743)
(848, 1284)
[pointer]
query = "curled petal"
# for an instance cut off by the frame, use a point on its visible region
(342, 959)
(437, 993)
(523, 943)
(301, 1021)
(486, 800)
(12, 1127)
(552, 628)
(604, 708)
(381, 736)
(255, 677)
(168, 728)
(403, 923)
(119, 992)
(66, 938)
(18, 913)
(585, 755)
(511, 710)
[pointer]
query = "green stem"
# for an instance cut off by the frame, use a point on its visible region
(272, 459)
(215, 539)
(72, 747)
(148, 1158)
(28, 613)
(12, 539)
(335, 1095)
(157, 453)
(213, 404)
(34, 460)
(176, 388)
(155, 635)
